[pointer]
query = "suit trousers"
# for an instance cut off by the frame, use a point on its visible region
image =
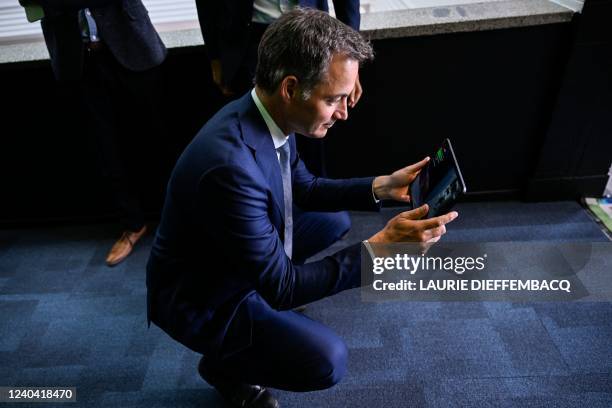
(125, 124)
(288, 350)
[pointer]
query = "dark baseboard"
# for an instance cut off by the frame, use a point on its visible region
(475, 196)
(492, 195)
(44, 222)
(565, 188)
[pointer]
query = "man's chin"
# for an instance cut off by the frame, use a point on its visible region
(316, 134)
(320, 132)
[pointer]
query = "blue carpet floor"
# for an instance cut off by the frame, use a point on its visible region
(68, 320)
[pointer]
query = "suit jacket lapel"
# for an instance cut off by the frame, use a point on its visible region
(257, 136)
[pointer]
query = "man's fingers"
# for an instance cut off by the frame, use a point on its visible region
(440, 220)
(434, 233)
(215, 67)
(417, 166)
(434, 240)
(226, 91)
(415, 214)
(355, 94)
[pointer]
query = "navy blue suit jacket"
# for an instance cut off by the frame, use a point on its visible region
(123, 25)
(225, 26)
(221, 233)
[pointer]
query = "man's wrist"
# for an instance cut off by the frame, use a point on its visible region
(378, 187)
(376, 238)
(374, 196)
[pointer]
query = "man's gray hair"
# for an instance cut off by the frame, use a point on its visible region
(302, 43)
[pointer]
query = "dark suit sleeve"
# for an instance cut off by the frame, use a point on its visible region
(71, 5)
(210, 16)
(347, 11)
(322, 194)
(235, 209)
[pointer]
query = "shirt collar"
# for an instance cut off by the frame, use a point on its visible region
(278, 137)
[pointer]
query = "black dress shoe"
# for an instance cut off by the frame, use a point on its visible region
(240, 394)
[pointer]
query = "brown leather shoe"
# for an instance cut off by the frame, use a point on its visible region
(123, 246)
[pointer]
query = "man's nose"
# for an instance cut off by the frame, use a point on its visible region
(342, 112)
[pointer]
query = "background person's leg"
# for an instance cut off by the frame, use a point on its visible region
(101, 91)
(142, 134)
(288, 351)
(316, 231)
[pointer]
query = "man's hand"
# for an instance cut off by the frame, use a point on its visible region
(410, 227)
(217, 77)
(395, 186)
(355, 94)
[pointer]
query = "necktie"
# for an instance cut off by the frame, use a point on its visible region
(285, 166)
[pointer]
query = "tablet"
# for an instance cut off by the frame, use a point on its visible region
(439, 183)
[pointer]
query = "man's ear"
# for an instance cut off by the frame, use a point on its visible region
(289, 88)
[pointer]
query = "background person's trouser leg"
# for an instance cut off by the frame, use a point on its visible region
(288, 351)
(101, 90)
(124, 118)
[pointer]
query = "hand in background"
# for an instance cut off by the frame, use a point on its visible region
(217, 77)
(355, 94)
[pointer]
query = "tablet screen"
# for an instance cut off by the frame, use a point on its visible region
(439, 183)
